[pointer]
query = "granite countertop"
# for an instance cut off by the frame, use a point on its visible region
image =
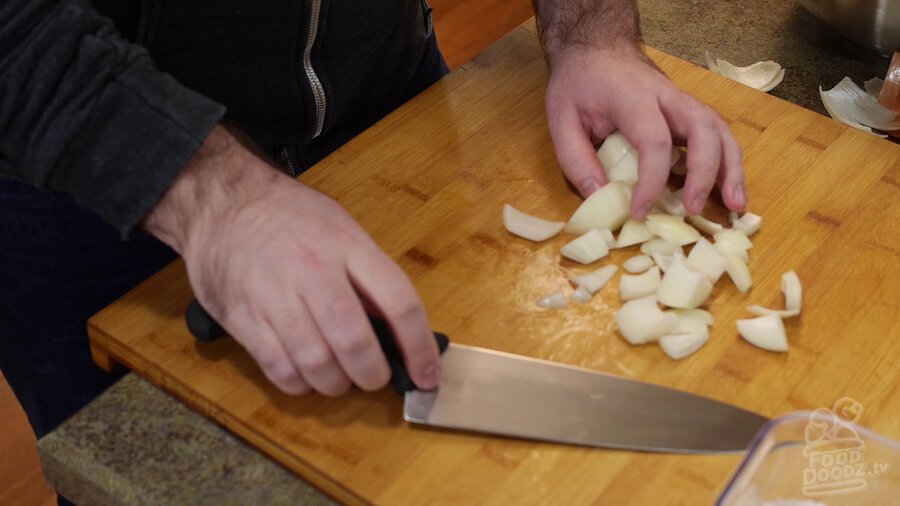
(137, 445)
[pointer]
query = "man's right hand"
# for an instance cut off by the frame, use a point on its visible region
(287, 272)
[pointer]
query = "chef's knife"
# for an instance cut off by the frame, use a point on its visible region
(509, 395)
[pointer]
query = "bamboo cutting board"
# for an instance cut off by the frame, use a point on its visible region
(429, 182)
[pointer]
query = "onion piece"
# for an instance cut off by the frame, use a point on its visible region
(781, 313)
(851, 105)
(679, 346)
(608, 238)
(553, 301)
(671, 202)
(613, 149)
(663, 260)
(659, 246)
(766, 332)
(626, 170)
(874, 86)
(732, 241)
(637, 264)
(528, 226)
(708, 227)
(687, 336)
(633, 232)
(641, 320)
(607, 207)
(683, 288)
(706, 259)
(739, 272)
(587, 248)
(711, 63)
(594, 281)
(581, 295)
(672, 229)
(641, 285)
(763, 76)
(695, 314)
(748, 224)
(792, 290)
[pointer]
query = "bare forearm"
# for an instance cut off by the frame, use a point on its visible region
(602, 24)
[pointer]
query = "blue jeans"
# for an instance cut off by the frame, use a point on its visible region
(60, 264)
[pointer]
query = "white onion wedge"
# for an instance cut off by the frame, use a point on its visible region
(853, 106)
(683, 288)
(739, 272)
(766, 332)
(679, 346)
(640, 285)
(633, 232)
(587, 248)
(659, 246)
(608, 238)
(781, 313)
(764, 75)
(553, 301)
(613, 149)
(607, 207)
(686, 336)
(528, 226)
(732, 241)
(671, 202)
(706, 259)
(641, 320)
(625, 170)
(672, 229)
(594, 281)
(581, 295)
(638, 264)
(695, 314)
(792, 290)
(748, 224)
(663, 260)
(708, 227)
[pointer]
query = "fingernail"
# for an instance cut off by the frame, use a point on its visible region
(432, 376)
(740, 197)
(699, 202)
(589, 186)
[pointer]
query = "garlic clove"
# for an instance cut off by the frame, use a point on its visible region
(638, 264)
(708, 227)
(851, 105)
(587, 248)
(641, 320)
(672, 229)
(766, 332)
(792, 290)
(683, 288)
(528, 226)
(705, 258)
(640, 285)
(633, 232)
(608, 207)
(553, 301)
(594, 281)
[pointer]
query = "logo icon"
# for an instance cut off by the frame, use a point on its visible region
(834, 450)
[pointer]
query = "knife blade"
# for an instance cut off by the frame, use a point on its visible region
(498, 393)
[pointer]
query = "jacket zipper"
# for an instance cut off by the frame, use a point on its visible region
(288, 161)
(314, 82)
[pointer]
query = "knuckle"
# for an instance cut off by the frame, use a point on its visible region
(355, 343)
(314, 361)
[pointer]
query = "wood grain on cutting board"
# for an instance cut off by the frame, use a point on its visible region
(429, 181)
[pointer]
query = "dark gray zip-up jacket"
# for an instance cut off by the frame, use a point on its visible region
(109, 100)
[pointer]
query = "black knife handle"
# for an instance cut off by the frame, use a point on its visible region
(207, 329)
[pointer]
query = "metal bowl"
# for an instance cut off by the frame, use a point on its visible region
(874, 23)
